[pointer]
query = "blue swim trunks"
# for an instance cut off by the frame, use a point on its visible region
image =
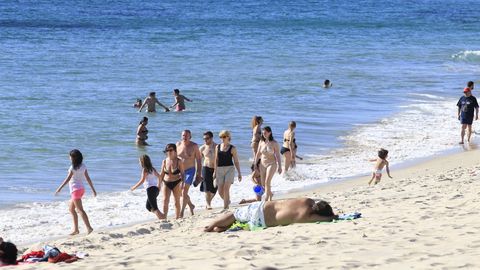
(189, 176)
(466, 119)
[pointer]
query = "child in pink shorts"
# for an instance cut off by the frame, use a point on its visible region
(77, 173)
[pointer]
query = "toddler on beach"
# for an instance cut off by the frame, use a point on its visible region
(381, 162)
(77, 173)
(256, 181)
(151, 182)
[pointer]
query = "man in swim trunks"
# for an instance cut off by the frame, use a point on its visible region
(275, 213)
(150, 102)
(189, 152)
(179, 101)
(207, 150)
(467, 109)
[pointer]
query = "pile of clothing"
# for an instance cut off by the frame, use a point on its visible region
(52, 255)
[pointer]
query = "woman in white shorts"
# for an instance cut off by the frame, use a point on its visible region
(226, 160)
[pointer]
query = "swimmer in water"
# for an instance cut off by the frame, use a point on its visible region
(179, 101)
(327, 84)
(150, 102)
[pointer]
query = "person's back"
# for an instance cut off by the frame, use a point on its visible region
(286, 212)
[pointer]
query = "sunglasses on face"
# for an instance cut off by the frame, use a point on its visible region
(206, 138)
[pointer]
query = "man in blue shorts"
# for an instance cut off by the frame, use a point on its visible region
(467, 109)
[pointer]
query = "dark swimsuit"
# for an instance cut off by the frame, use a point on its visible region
(284, 149)
(172, 184)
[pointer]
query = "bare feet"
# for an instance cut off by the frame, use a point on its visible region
(74, 232)
(90, 230)
(460, 143)
(208, 207)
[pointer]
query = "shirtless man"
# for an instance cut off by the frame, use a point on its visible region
(179, 101)
(150, 102)
(207, 150)
(192, 161)
(275, 213)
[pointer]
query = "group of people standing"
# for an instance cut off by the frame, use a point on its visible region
(213, 167)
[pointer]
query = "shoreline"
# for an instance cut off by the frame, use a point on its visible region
(420, 219)
(347, 182)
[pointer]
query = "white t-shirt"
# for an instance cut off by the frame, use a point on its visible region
(150, 181)
(76, 182)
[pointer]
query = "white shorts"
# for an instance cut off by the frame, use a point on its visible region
(378, 173)
(252, 214)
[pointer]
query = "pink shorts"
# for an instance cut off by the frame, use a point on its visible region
(77, 194)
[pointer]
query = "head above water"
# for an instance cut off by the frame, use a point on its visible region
(152, 94)
(144, 121)
(146, 163)
(77, 158)
(327, 84)
(256, 120)
(322, 208)
(382, 153)
(267, 132)
(176, 91)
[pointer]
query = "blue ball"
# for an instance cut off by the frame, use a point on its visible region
(258, 189)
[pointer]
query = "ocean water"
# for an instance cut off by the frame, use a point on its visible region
(70, 72)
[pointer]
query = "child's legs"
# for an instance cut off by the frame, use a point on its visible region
(378, 177)
(83, 214)
(71, 208)
(371, 179)
(271, 169)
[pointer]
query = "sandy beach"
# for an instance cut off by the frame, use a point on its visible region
(424, 218)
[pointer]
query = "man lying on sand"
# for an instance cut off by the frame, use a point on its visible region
(275, 213)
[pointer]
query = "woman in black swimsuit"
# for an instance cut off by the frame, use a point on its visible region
(289, 147)
(173, 176)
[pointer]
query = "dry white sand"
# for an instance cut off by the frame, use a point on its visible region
(427, 217)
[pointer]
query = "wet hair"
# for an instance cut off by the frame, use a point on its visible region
(146, 163)
(176, 91)
(152, 94)
(292, 124)
(470, 84)
(267, 128)
(170, 145)
(326, 82)
(322, 208)
(77, 158)
(10, 251)
(209, 134)
(382, 153)
(144, 119)
(256, 120)
(139, 100)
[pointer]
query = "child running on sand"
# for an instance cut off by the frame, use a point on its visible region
(381, 162)
(77, 173)
(257, 182)
(151, 182)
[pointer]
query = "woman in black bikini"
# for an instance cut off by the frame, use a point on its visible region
(173, 176)
(289, 147)
(142, 132)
